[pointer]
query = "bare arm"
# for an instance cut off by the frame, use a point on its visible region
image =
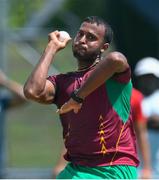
(15, 88)
(37, 87)
(141, 131)
(113, 63)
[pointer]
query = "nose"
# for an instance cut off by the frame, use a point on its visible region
(82, 39)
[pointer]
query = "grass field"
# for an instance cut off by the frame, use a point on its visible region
(34, 134)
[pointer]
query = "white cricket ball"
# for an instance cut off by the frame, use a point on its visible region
(63, 35)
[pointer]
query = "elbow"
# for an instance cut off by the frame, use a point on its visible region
(37, 96)
(32, 94)
(28, 92)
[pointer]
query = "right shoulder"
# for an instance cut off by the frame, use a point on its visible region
(57, 77)
(60, 79)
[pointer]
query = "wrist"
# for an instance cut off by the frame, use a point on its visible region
(52, 47)
(76, 97)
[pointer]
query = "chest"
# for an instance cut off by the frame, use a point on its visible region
(67, 85)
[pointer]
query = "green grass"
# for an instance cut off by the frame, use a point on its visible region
(34, 136)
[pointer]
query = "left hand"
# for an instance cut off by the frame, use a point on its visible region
(69, 106)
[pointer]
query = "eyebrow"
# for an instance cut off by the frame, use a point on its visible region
(90, 32)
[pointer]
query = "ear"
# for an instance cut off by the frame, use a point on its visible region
(105, 47)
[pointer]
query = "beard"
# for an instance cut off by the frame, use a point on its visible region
(83, 55)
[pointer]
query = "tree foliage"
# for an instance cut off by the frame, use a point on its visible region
(20, 11)
(83, 8)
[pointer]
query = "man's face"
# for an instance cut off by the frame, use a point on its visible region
(147, 84)
(88, 41)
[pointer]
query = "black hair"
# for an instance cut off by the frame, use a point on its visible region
(99, 21)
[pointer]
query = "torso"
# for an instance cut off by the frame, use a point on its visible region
(102, 132)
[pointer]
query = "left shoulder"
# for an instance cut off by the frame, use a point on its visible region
(118, 60)
(116, 57)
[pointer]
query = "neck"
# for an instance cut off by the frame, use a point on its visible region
(86, 64)
(83, 65)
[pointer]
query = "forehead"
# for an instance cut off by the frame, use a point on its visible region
(98, 30)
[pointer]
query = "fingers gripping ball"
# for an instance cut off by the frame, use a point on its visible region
(64, 35)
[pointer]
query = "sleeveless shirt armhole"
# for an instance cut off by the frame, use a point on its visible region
(123, 77)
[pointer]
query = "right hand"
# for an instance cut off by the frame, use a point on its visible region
(70, 105)
(54, 38)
